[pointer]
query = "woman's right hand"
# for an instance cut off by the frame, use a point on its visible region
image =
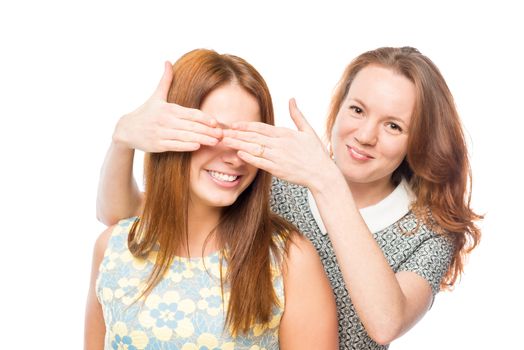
(159, 126)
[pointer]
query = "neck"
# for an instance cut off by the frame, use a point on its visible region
(201, 222)
(367, 194)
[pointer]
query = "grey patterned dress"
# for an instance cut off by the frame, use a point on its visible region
(421, 250)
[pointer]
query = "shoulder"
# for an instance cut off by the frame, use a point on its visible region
(282, 186)
(102, 242)
(427, 229)
(116, 232)
(277, 182)
(287, 197)
(302, 268)
(99, 252)
(423, 234)
(431, 250)
(301, 257)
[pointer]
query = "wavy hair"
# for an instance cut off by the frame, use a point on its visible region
(437, 164)
(248, 233)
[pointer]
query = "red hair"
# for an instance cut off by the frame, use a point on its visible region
(436, 165)
(246, 231)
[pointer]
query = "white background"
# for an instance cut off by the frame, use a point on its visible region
(69, 69)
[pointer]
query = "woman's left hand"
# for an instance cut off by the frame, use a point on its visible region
(297, 156)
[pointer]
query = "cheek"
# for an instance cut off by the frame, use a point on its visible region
(253, 171)
(193, 178)
(249, 177)
(395, 149)
(336, 132)
(202, 156)
(342, 130)
(344, 125)
(195, 166)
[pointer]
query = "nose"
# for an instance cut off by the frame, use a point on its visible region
(229, 155)
(367, 134)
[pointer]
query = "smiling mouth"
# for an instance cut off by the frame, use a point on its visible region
(222, 177)
(355, 154)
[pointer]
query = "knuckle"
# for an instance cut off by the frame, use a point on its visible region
(197, 113)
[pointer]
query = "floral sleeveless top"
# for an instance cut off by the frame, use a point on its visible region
(186, 310)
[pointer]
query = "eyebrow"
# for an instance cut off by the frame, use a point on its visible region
(358, 101)
(387, 116)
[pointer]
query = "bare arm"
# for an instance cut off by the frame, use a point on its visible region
(94, 328)
(156, 126)
(388, 304)
(118, 194)
(310, 315)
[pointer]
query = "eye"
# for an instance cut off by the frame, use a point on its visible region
(394, 128)
(356, 110)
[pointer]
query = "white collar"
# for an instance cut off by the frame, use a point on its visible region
(380, 215)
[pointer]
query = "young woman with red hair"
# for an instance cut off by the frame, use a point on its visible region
(205, 264)
(386, 204)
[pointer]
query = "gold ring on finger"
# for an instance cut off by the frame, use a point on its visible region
(262, 149)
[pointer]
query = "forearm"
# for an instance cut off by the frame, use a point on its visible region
(371, 283)
(118, 195)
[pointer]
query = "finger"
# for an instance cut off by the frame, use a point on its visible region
(193, 114)
(248, 136)
(165, 82)
(258, 162)
(188, 136)
(254, 149)
(261, 128)
(188, 125)
(177, 146)
(298, 118)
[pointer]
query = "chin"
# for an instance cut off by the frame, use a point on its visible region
(358, 177)
(221, 202)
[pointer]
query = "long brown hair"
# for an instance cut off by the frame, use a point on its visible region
(247, 228)
(436, 164)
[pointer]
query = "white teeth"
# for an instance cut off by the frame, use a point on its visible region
(222, 176)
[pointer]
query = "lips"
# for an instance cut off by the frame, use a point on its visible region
(224, 180)
(358, 154)
(222, 176)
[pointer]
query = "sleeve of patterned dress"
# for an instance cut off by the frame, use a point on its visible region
(431, 260)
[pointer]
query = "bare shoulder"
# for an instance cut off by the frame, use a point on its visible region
(94, 329)
(99, 251)
(101, 244)
(303, 263)
(302, 253)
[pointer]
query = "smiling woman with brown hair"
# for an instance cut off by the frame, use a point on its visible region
(206, 263)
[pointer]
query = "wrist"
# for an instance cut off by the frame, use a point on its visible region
(329, 178)
(333, 190)
(119, 140)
